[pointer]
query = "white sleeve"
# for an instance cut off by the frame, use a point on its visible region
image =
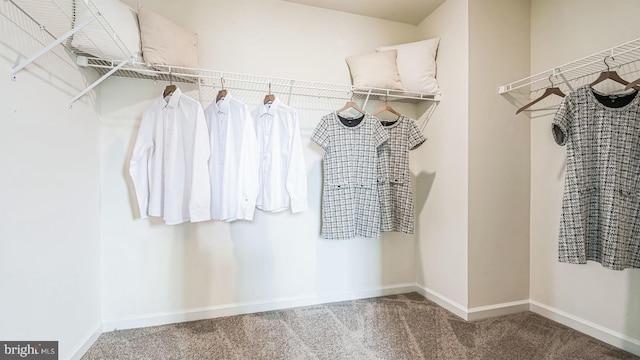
(296, 171)
(200, 202)
(139, 165)
(249, 168)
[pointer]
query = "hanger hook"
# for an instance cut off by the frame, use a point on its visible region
(386, 97)
(605, 62)
(351, 96)
(269, 87)
(170, 77)
(551, 81)
(222, 82)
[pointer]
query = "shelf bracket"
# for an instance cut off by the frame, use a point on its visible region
(97, 82)
(556, 72)
(566, 82)
(367, 99)
(47, 48)
(290, 92)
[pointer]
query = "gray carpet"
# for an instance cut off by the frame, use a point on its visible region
(393, 327)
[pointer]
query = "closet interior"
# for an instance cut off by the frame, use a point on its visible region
(485, 183)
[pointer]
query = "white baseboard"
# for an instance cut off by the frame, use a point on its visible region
(231, 309)
(79, 351)
(483, 312)
(476, 313)
(599, 332)
(443, 301)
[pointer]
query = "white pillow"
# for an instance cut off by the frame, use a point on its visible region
(94, 40)
(417, 65)
(376, 70)
(166, 43)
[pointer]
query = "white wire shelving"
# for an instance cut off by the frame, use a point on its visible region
(61, 20)
(214, 80)
(624, 58)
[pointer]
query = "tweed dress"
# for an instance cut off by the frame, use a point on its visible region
(350, 204)
(394, 187)
(600, 218)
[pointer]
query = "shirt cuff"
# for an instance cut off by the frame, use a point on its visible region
(248, 208)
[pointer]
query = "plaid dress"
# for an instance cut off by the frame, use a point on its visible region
(600, 218)
(394, 188)
(350, 204)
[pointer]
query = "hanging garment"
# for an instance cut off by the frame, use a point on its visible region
(282, 175)
(169, 161)
(350, 204)
(233, 166)
(396, 196)
(600, 217)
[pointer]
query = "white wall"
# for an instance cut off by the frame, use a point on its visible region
(153, 272)
(499, 168)
(562, 31)
(442, 163)
(49, 197)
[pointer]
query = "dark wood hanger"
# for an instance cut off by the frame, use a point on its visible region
(222, 93)
(634, 84)
(613, 75)
(169, 90)
(609, 75)
(547, 92)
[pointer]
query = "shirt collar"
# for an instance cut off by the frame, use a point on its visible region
(223, 106)
(174, 100)
(271, 110)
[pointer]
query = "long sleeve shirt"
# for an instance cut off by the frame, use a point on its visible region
(233, 166)
(282, 176)
(169, 162)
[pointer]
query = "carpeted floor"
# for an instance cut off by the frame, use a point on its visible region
(393, 327)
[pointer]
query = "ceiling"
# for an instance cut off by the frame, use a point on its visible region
(405, 11)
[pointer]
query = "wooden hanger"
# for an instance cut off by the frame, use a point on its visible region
(634, 84)
(222, 93)
(384, 108)
(352, 105)
(609, 75)
(553, 90)
(269, 97)
(169, 90)
(612, 75)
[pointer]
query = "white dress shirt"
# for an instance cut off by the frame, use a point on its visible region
(283, 175)
(169, 162)
(233, 166)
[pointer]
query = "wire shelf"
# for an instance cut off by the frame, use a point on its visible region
(216, 79)
(66, 21)
(58, 17)
(622, 58)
